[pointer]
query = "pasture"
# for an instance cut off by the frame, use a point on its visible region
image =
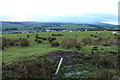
(13, 54)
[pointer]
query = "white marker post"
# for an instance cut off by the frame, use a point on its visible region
(59, 66)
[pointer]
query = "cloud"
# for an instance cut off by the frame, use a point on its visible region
(85, 18)
(6, 17)
(57, 10)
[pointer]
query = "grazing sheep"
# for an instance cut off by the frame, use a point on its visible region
(71, 31)
(114, 32)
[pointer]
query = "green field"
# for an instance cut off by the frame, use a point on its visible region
(13, 53)
(16, 53)
(72, 26)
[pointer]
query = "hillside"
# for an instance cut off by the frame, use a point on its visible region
(20, 26)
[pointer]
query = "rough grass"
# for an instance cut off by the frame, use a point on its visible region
(12, 54)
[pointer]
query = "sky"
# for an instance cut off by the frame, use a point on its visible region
(76, 11)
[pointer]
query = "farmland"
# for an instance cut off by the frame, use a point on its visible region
(42, 27)
(82, 58)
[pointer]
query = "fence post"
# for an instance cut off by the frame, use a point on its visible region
(59, 66)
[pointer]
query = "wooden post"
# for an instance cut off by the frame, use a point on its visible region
(59, 66)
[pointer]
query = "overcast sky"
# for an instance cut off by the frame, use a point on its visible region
(59, 10)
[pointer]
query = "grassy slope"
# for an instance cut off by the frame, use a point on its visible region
(17, 53)
(71, 26)
(31, 26)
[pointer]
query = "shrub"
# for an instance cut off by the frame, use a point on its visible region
(17, 43)
(0, 43)
(36, 39)
(44, 38)
(39, 41)
(87, 40)
(78, 44)
(12, 42)
(87, 57)
(19, 38)
(4, 43)
(115, 41)
(104, 41)
(24, 42)
(103, 74)
(55, 43)
(71, 43)
(57, 34)
(27, 36)
(105, 60)
(51, 39)
(68, 42)
(30, 69)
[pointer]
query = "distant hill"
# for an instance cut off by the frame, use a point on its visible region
(18, 26)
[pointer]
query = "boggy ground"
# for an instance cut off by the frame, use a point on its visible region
(68, 57)
(100, 65)
(90, 62)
